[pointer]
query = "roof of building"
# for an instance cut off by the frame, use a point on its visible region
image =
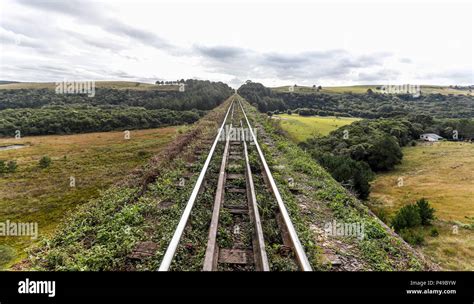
(431, 135)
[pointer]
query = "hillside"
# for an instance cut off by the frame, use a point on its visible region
(364, 104)
(91, 162)
(448, 186)
(111, 106)
(362, 89)
(119, 85)
(301, 128)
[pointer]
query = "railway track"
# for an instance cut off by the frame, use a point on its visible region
(236, 239)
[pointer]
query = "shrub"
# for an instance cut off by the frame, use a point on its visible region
(408, 216)
(3, 167)
(45, 161)
(352, 174)
(11, 166)
(412, 237)
(142, 153)
(425, 210)
(434, 232)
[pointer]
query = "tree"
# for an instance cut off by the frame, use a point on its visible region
(425, 210)
(384, 153)
(352, 174)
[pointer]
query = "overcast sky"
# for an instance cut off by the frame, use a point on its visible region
(273, 42)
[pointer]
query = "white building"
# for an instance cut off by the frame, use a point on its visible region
(430, 137)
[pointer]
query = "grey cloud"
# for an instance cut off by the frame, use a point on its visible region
(220, 52)
(378, 75)
(456, 76)
(87, 12)
(242, 64)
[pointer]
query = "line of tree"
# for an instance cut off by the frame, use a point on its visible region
(83, 119)
(368, 105)
(202, 95)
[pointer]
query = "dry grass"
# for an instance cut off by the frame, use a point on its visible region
(95, 160)
(443, 173)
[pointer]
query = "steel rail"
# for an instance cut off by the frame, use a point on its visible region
(173, 245)
(301, 257)
(211, 256)
(259, 244)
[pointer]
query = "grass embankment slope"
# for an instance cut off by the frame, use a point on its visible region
(300, 128)
(120, 85)
(139, 214)
(94, 160)
(362, 89)
(106, 233)
(443, 173)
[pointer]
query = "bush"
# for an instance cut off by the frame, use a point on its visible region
(11, 166)
(407, 217)
(45, 161)
(434, 232)
(3, 167)
(352, 174)
(425, 210)
(412, 237)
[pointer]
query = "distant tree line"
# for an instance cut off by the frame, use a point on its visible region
(83, 119)
(201, 95)
(368, 105)
(42, 111)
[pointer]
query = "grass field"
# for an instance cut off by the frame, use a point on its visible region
(94, 160)
(360, 89)
(121, 85)
(301, 128)
(444, 174)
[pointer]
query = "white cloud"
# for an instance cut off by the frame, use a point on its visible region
(276, 42)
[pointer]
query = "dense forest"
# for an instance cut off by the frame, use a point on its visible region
(42, 111)
(369, 105)
(82, 119)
